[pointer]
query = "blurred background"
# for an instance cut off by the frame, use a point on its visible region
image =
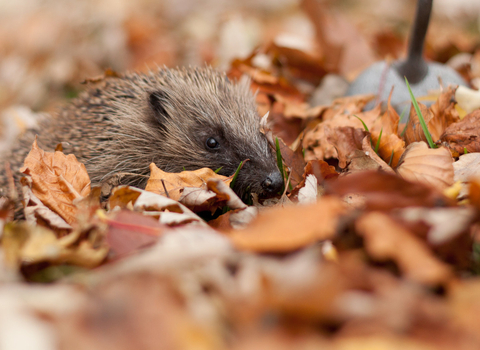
(48, 47)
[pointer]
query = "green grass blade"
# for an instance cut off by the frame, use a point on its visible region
(280, 161)
(465, 151)
(364, 125)
(391, 158)
(236, 174)
(216, 171)
(420, 117)
(377, 146)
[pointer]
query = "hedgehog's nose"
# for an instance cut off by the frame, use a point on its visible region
(273, 183)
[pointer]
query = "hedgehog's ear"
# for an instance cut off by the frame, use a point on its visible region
(157, 101)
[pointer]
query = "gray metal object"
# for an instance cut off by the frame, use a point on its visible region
(380, 77)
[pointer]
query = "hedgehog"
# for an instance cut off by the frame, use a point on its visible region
(179, 119)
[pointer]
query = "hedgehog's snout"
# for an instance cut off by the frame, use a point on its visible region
(273, 183)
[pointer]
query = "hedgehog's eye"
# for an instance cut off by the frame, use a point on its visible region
(212, 143)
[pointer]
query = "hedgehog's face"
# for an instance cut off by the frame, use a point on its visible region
(226, 150)
(218, 131)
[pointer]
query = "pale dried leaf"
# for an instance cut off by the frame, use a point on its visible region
(57, 180)
(308, 193)
(433, 167)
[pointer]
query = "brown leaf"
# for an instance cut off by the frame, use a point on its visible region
(385, 192)
(168, 211)
(463, 134)
(369, 152)
(57, 180)
(129, 231)
(290, 228)
(346, 141)
(433, 167)
(393, 242)
(414, 132)
(320, 169)
(344, 112)
(444, 113)
(390, 142)
(174, 183)
(293, 160)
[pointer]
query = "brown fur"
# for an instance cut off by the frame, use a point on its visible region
(123, 124)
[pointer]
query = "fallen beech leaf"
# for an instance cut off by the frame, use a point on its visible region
(168, 211)
(467, 167)
(225, 193)
(369, 152)
(444, 113)
(414, 132)
(346, 141)
(390, 142)
(293, 160)
(393, 242)
(174, 183)
(383, 192)
(290, 228)
(320, 169)
(216, 195)
(37, 244)
(34, 209)
(57, 180)
(468, 99)
(448, 233)
(463, 134)
(308, 193)
(129, 231)
(344, 112)
(234, 219)
(433, 167)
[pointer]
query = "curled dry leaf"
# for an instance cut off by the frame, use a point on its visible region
(464, 134)
(433, 167)
(320, 169)
(172, 184)
(437, 118)
(308, 193)
(217, 195)
(129, 231)
(444, 113)
(36, 212)
(290, 228)
(344, 112)
(168, 211)
(57, 180)
(414, 132)
(448, 233)
(382, 191)
(393, 242)
(234, 219)
(35, 244)
(369, 152)
(346, 141)
(467, 167)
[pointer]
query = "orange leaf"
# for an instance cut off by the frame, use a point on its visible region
(57, 180)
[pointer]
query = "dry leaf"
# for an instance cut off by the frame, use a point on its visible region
(467, 167)
(168, 211)
(464, 134)
(57, 180)
(174, 183)
(290, 228)
(346, 141)
(35, 210)
(393, 242)
(369, 152)
(129, 231)
(414, 132)
(433, 167)
(383, 192)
